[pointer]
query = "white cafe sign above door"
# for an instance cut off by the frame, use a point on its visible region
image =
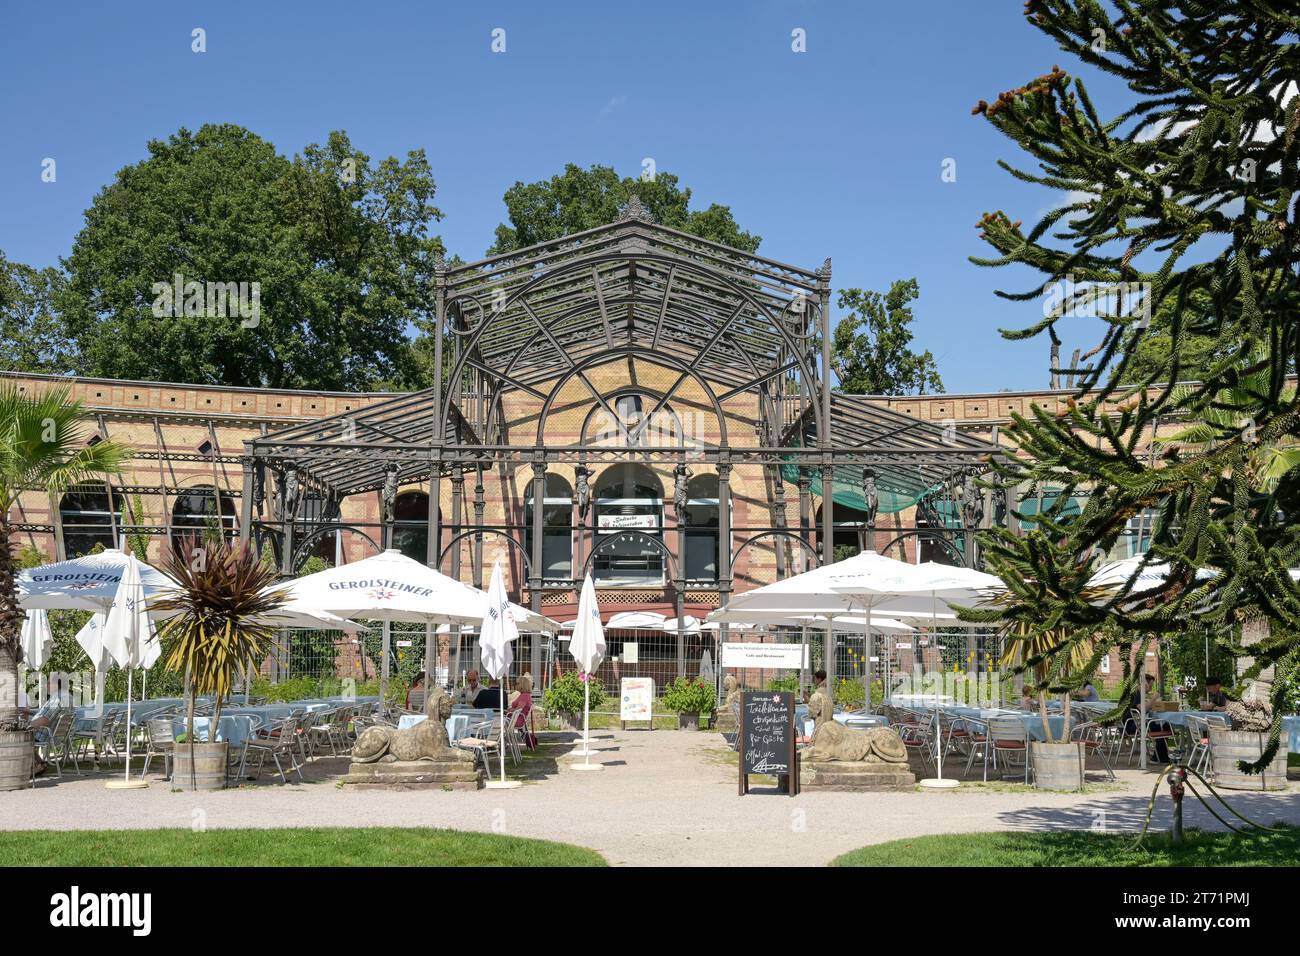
(614, 522)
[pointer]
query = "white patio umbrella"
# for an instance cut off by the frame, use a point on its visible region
(588, 648)
(496, 638)
(87, 583)
(391, 587)
(37, 641)
(900, 587)
(128, 637)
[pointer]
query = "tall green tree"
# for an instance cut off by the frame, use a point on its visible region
(579, 199)
(42, 446)
(871, 350)
(1188, 198)
(31, 336)
(339, 250)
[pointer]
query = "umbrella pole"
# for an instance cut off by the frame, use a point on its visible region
(501, 745)
(937, 782)
(126, 772)
(586, 720)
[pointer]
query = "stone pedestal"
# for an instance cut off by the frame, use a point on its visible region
(415, 775)
(855, 775)
(724, 721)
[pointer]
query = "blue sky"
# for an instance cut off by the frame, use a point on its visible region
(834, 152)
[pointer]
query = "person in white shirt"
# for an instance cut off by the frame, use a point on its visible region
(470, 690)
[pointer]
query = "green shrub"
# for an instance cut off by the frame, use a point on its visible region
(788, 684)
(850, 694)
(686, 695)
(565, 695)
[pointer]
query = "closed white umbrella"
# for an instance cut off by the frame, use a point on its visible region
(37, 642)
(588, 648)
(37, 638)
(128, 638)
(497, 635)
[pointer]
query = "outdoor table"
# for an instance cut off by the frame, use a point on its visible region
(1178, 718)
(456, 724)
(1291, 729)
(862, 720)
(1034, 726)
(235, 729)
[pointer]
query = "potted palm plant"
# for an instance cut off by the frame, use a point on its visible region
(217, 635)
(42, 445)
(1047, 655)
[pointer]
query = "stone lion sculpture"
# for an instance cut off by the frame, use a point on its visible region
(731, 692)
(834, 741)
(427, 740)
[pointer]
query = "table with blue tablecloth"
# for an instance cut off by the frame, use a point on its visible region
(1178, 718)
(235, 729)
(1291, 733)
(457, 724)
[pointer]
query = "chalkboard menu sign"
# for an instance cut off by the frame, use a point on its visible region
(767, 738)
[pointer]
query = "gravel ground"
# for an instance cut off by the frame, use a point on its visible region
(666, 798)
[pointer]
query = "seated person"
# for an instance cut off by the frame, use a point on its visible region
(1215, 698)
(1086, 692)
(471, 690)
(416, 688)
(489, 698)
(1131, 727)
(522, 700)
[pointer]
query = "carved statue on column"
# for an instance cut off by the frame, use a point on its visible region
(388, 495)
(583, 478)
(259, 485)
(289, 494)
(870, 496)
(681, 475)
(972, 501)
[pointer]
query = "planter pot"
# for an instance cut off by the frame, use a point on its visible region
(688, 720)
(16, 756)
(570, 721)
(1229, 746)
(1057, 766)
(206, 770)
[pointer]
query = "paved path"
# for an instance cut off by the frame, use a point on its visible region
(666, 798)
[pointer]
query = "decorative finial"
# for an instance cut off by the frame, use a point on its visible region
(439, 262)
(824, 271)
(634, 211)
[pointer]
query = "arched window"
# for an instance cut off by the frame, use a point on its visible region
(631, 410)
(701, 522)
(316, 511)
(629, 496)
(411, 525)
(87, 518)
(557, 525)
(195, 514)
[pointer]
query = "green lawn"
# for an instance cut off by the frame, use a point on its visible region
(299, 846)
(1082, 848)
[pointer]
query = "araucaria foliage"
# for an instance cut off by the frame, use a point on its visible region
(1182, 206)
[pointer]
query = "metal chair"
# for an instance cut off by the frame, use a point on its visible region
(978, 743)
(1010, 738)
(918, 738)
(278, 741)
(1093, 738)
(160, 741)
(57, 745)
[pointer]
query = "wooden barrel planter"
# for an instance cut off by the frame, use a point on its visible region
(15, 759)
(1227, 747)
(206, 771)
(688, 720)
(1057, 766)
